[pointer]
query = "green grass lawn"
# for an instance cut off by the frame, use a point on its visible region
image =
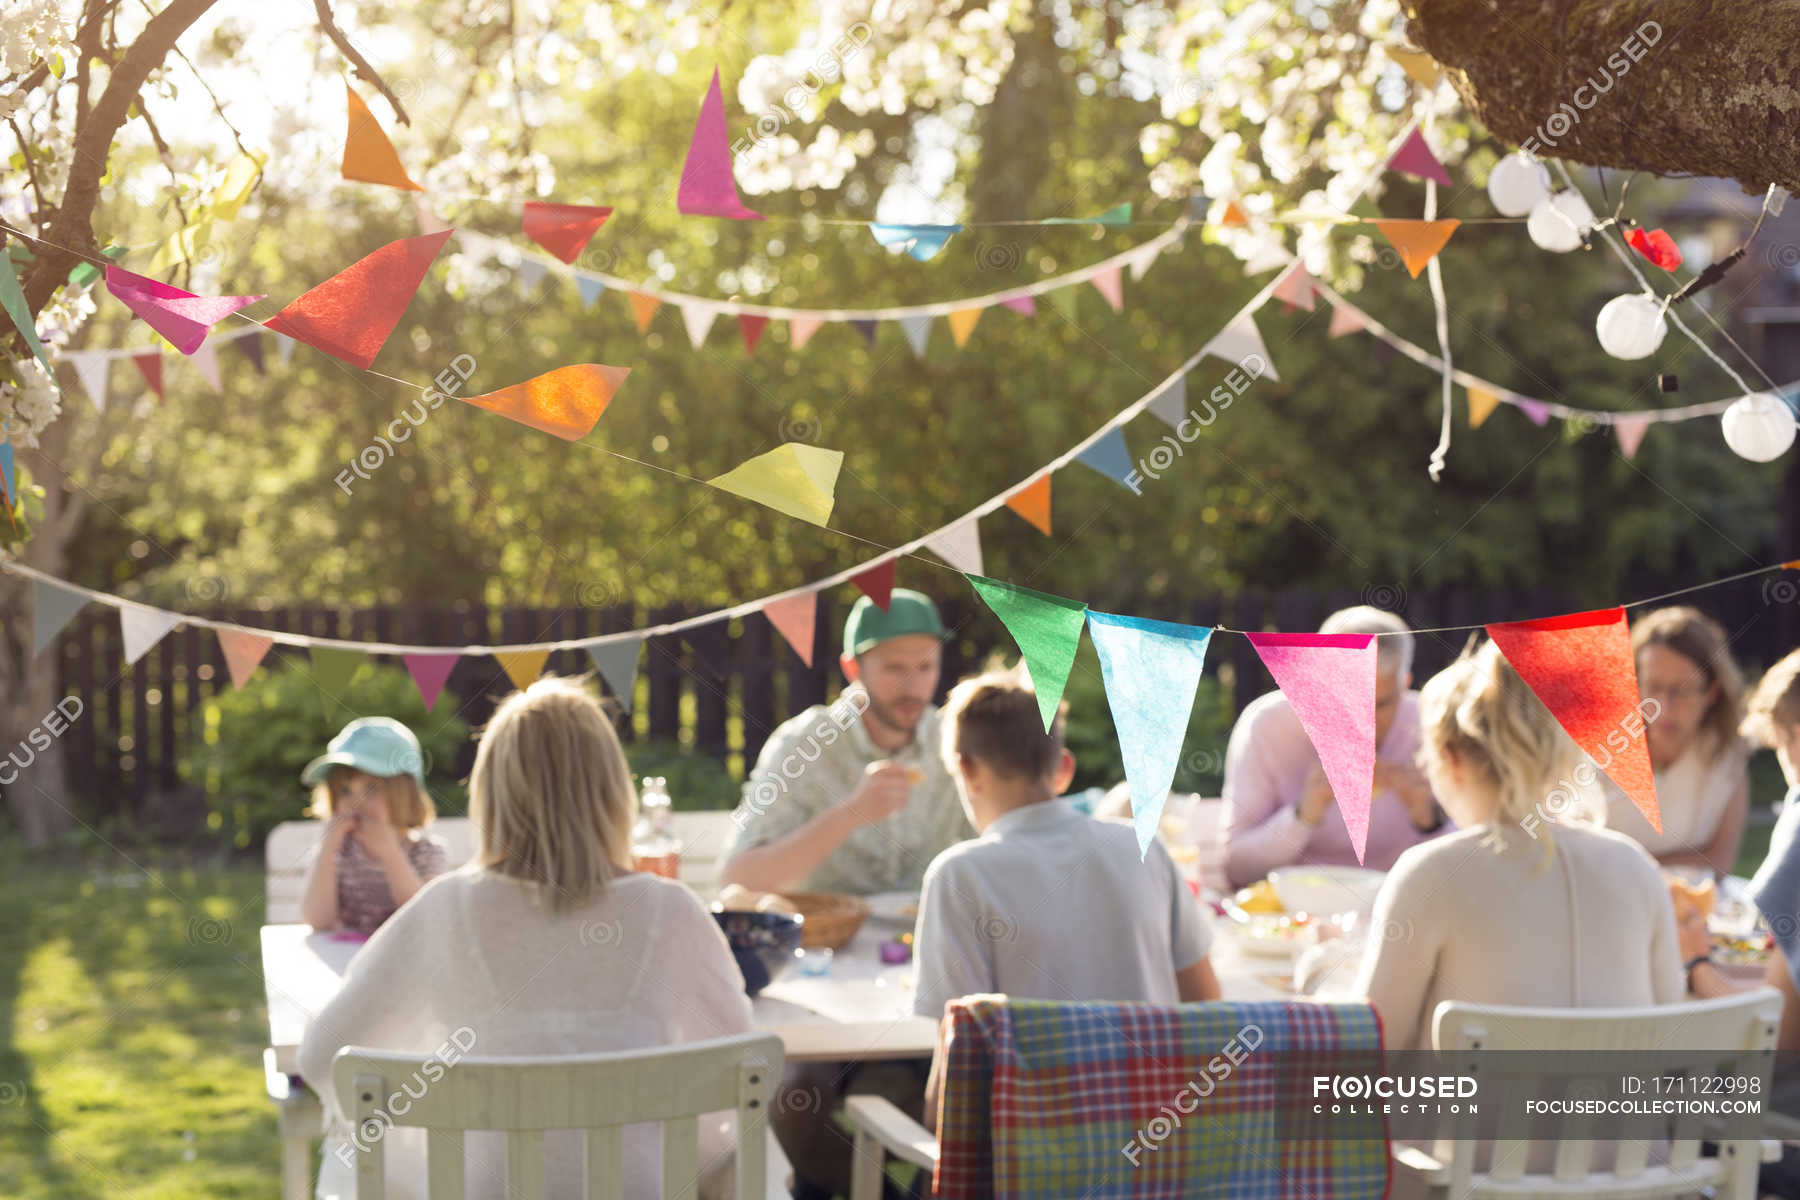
(133, 1006)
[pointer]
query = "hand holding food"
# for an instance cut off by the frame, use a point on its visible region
(883, 792)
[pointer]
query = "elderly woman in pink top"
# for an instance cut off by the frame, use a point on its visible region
(1279, 809)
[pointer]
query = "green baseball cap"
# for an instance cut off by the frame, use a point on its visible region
(908, 612)
(373, 745)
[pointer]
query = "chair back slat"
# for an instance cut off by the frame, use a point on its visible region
(680, 1159)
(753, 1123)
(362, 1101)
(606, 1164)
(1631, 1159)
(1509, 1160)
(525, 1164)
(444, 1163)
(1575, 1156)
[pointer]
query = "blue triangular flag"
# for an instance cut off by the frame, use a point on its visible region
(867, 329)
(1151, 670)
(1110, 456)
(921, 241)
(591, 289)
(918, 333)
(6, 471)
(55, 607)
(617, 663)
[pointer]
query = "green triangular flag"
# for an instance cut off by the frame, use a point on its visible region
(1047, 629)
(12, 299)
(332, 669)
(86, 273)
(1119, 214)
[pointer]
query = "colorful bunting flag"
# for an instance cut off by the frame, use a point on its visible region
(521, 666)
(707, 188)
(8, 488)
(1581, 666)
(1110, 456)
(1230, 214)
(698, 319)
(1417, 241)
(1329, 680)
(751, 328)
(793, 478)
(1108, 284)
(1033, 503)
(1536, 410)
(182, 317)
(1141, 260)
(921, 242)
(369, 155)
(351, 314)
(243, 651)
(796, 617)
(91, 367)
(1296, 288)
(86, 274)
(562, 229)
(1022, 304)
(1066, 301)
(565, 402)
(959, 545)
(801, 329)
(141, 628)
(917, 329)
(1657, 246)
(617, 663)
(1630, 431)
(1345, 319)
(429, 671)
(1240, 343)
(1481, 406)
(332, 669)
(1421, 67)
(962, 324)
(150, 367)
(1119, 214)
(1269, 255)
(531, 272)
(590, 289)
(206, 361)
(1414, 157)
(1047, 629)
(1170, 405)
(284, 347)
(53, 606)
(12, 299)
(867, 329)
(1151, 670)
(642, 308)
(251, 347)
(877, 583)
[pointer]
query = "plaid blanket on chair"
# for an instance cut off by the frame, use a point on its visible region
(1101, 1101)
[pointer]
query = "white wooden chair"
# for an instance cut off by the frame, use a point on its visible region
(1742, 1027)
(598, 1094)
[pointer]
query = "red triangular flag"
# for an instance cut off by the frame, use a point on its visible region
(562, 229)
(1296, 288)
(428, 673)
(1657, 246)
(796, 618)
(752, 329)
(1033, 503)
(1581, 667)
(351, 314)
(151, 366)
(1415, 158)
(877, 583)
(1345, 319)
(243, 650)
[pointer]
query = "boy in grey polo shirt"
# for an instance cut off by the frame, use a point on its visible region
(1047, 903)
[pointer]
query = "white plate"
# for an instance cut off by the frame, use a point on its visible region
(1323, 891)
(1252, 941)
(897, 908)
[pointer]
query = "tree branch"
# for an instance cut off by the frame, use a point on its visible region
(31, 169)
(359, 65)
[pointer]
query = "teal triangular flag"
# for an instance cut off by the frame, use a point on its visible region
(1151, 670)
(1110, 456)
(1119, 214)
(1047, 629)
(6, 472)
(591, 289)
(617, 663)
(918, 332)
(55, 607)
(12, 299)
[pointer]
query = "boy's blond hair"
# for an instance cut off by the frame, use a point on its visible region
(993, 718)
(409, 805)
(551, 796)
(1775, 704)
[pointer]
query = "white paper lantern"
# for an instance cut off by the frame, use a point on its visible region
(1518, 184)
(1631, 326)
(1557, 222)
(1759, 427)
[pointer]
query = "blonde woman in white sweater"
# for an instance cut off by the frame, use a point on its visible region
(547, 943)
(1549, 914)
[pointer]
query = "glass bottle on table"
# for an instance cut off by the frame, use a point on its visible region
(654, 846)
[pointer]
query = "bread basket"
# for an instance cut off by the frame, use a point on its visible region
(832, 918)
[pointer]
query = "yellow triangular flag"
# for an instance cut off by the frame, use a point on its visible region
(644, 307)
(1424, 69)
(1417, 241)
(962, 324)
(793, 478)
(1481, 405)
(522, 666)
(369, 156)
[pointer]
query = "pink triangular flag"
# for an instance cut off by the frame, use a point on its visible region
(1108, 284)
(707, 188)
(243, 651)
(180, 316)
(796, 617)
(1415, 158)
(1534, 409)
(1296, 288)
(1345, 319)
(1631, 434)
(1329, 680)
(1022, 304)
(428, 674)
(206, 361)
(801, 329)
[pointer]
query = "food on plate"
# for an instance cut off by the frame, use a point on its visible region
(1259, 897)
(735, 898)
(1749, 951)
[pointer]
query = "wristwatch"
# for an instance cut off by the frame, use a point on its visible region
(1688, 970)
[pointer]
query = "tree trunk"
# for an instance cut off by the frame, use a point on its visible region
(1672, 87)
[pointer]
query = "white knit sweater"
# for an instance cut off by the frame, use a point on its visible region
(643, 965)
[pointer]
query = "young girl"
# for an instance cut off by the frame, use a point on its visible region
(369, 787)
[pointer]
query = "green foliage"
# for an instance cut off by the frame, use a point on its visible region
(695, 780)
(257, 740)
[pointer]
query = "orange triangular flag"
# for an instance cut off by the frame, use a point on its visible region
(643, 307)
(1481, 406)
(368, 155)
(243, 650)
(962, 324)
(522, 666)
(796, 617)
(565, 402)
(1033, 502)
(1233, 215)
(1417, 241)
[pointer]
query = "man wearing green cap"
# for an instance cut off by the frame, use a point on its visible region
(853, 796)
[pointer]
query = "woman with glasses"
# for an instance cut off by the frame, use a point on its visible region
(1693, 702)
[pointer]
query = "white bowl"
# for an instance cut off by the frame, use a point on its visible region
(1323, 891)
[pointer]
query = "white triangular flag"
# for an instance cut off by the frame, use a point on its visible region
(918, 332)
(960, 546)
(698, 318)
(284, 346)
(1240, 342)
(1267, 258)
(206, 361)
(143, 628)
(1141, 260)
(91, 368)
(531, 273)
